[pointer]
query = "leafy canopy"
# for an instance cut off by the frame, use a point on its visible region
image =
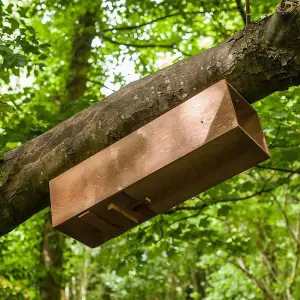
(242, 244)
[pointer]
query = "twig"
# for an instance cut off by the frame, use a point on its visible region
(287, 222)
(241, 10)
(261, 284)
(205, 205)
(102, 84)
(248, 12)
(279, 169)
(285, 146)
(277, 134)
(162, 18)
(109, 39)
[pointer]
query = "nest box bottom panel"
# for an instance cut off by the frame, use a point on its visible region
(202, 142)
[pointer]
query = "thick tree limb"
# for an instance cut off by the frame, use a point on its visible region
(257, 61)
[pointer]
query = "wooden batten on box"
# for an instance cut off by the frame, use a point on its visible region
(206, 140)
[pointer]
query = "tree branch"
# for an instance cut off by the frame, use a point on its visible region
(267, 262)
(296, 251)
(277, 134)
(183, 14)
(203, 206)
(109, 39)
(257, 61)
(216, 201)
(150, 22)
(285, 146)
(287, 222)
(279, 169)
(248, 12)
(102, 84)
(241, 10)
(261, 284)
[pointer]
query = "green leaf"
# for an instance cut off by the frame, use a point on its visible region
(43, 57)
(224, 210)
(4, 107)
(21, 60)
(16, 72)
(204, 223)
(14, 24)
(6, 50)
(30, 29)
(44, 46)
(9, 8)
(23, 11)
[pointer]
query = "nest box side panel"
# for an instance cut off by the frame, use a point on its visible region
(204, 141)
(220, 159)
(145, 151)
(248, 119)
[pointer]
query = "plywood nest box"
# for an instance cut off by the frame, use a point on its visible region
(208, 139)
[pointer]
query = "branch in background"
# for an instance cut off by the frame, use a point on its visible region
(287, 222)
(296, 237)
(212, 202)
(248, 12)
(296, 251)
(109, 39)
(241, 10)
(277, 134)
(220, 27)
(205, 205)
(263, 191)
(170, 46)
(261, 284)
(102, 84)
(279, 169)
(266, 261)
(285, 146)
(163, 18)
(148, 23)
(183, 52)
(201, 207)
(197, 214)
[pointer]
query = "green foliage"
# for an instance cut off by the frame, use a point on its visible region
(20, 261)
(244, 245)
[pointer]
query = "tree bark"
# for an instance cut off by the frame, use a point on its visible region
(257, 61)
(52, 257)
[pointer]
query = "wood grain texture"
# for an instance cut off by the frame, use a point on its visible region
(198, 144)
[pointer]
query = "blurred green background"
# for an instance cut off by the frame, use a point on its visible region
(59, 57)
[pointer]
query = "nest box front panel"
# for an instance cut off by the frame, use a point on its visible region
(198, 144)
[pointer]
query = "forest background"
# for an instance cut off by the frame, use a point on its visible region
(239, 240)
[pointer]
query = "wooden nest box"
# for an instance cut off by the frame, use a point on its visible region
(206, 140)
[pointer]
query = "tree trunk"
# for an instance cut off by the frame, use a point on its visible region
(257, 61)
(52, 255)
(84, 34)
